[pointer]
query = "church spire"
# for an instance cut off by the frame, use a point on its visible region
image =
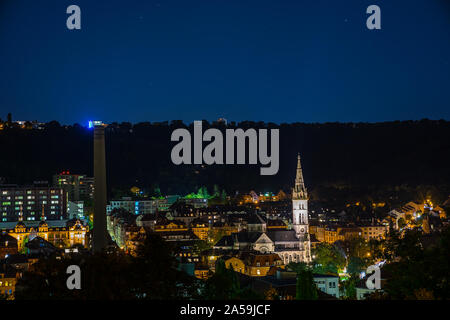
(299, 191)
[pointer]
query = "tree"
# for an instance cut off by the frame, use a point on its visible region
(356, 247)
(417, 272)
(203, 192)
(223, 196)
(355, 266)
(24, 249)
(328, 259)
(99, 280)
(158, 276)
(152, 274)
(423, 294)
(223, 285)
(297, 266)
(216, 192)
(348, 287)
(306, 288)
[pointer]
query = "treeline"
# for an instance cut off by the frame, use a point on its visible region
(334, 155)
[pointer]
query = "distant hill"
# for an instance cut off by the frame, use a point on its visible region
(333, 154)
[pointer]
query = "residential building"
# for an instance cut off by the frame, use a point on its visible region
(78, 187)
(254, 264)
(139, 206)
(200, 228)
(377, 232)
(75, 209)
(8, 245)
(29, 202)
(62, 233)
(328, 284)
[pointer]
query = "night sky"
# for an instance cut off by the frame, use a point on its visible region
(278, 61)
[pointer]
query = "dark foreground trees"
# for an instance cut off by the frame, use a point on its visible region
(306, 288)
(225, 285)
(153, 274)
(418, 267)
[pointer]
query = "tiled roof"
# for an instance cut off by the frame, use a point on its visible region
(282, 235)
(245, 236)
(225, 241)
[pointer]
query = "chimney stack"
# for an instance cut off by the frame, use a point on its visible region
(100, 233)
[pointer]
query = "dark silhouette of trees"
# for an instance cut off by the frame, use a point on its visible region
(336, 157)
(417, 270)
(328, 259)
(306, 288)
(153, 274)
(224, 285)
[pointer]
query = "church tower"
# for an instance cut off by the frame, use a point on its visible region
(300, 204)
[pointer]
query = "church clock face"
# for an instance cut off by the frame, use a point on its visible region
(302, 230)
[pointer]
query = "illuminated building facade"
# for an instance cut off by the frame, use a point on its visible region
(254, 265)
(30, 201)
(200, 229)
(78, 187)
(62, 234)
(138, 206)
(8, 245)
(291, 245)
(8, 284)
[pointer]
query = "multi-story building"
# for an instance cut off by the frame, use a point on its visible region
(75, 209)
(29, 202)
(327, 283)
(284, 283)
(78, 187)
(200, 228)
(254, 264)
(62, 234)
(332, 235)
(8, 279)
(8, 245)
(348, 233)
(201, 272)
(139, 206)
(377, 232)
(196, 202)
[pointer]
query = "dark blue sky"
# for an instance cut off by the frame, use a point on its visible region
(279, 61)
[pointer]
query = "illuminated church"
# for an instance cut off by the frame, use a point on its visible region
(291, 245)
